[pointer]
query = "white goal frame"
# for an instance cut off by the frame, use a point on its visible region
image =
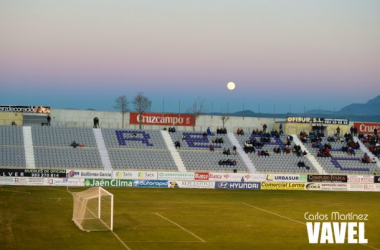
(93, 209)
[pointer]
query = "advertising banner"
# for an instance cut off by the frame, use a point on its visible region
(282, 186)
(175, 176)
(327, 178)
(287, 177)
(73, 182)
(26, 181)
(237, 185)
(313, 186)
(139, 175)
(150, 183)
(334, 186)
(26, 109)
(376, 179)
(162, 119)
(108, 183)
(360, 179)
(317, 120)
(33, 173)
(7, 180)
(192, 184)
(366, 127)
(201, 176)
(94, 174)
(237, 177)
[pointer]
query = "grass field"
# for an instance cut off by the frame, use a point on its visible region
(40, 218)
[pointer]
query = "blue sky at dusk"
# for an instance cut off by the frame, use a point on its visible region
(288, 54)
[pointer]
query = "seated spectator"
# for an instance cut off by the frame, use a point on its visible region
(226, 151)
(208, 130)
(183, 137)
(211, 147)
(286, 149)
(352, 151)
(204, 134)
(234, 150)
(177, 144)
(13, 123)
(373, 160)
(264, 153)
(277, 150)
(301, 164)
(249, 149)
(74, 144)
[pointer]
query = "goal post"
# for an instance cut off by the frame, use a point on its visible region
(93, 209)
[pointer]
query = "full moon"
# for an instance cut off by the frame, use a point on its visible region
(230, 85)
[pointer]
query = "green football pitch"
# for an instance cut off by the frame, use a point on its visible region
(40, 218)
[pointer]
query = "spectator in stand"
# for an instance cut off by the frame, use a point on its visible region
(234, 150)
(177, 144)
(204, 135)
(74, 144)
(375, 172)
(352, 130)
(338, 130)
(375, 131)
(48, 118)
(281, 131)
(183, 137)
(13, 123)
(265, 128)
(208, 131)
(211, 147)
(96, 122)
(355, 131)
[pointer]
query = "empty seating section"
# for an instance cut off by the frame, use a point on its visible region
(137, 149)
(279, 163)
(196, 155)
(12, 152)
(10, 135)
(132, 159)
(52, 148)
(62, 158)
(341, 162)
(56, 136)
(12, 156)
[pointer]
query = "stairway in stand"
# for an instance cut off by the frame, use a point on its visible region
(173, 151)
(102, 149)
(242, 154)
(309, 156)
(28, 146)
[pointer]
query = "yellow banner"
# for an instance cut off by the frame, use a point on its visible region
(282, 186)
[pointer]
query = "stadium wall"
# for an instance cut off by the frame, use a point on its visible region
(6, 118)
(113, 119)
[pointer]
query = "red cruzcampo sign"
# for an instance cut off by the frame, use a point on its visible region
(366, 127)
(162, 119)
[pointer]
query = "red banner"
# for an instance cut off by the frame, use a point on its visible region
(366, 127)
(201, 176)
(162, 119)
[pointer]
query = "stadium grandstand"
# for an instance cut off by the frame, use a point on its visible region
(69, 145)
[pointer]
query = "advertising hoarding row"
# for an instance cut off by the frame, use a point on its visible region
(78, 182)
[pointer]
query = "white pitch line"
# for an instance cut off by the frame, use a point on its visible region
(274, 213)
(303, 223)
(164, 241)
(122, 242)
(184, 229)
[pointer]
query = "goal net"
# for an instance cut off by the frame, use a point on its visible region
(93, 209)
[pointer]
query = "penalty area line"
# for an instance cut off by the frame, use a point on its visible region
(184, 229)
(303, 223)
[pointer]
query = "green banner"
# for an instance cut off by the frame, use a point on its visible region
(108, 183)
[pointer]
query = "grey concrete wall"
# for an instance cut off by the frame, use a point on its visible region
(113, 119)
